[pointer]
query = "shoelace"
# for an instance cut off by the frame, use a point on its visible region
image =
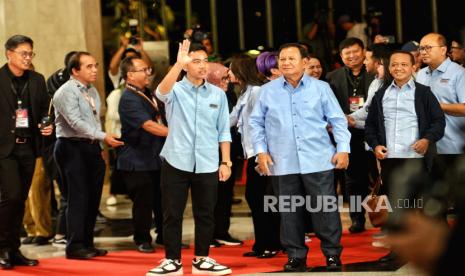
(164, 262)
(210, 261)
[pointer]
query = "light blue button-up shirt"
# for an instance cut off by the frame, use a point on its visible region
(198, 119)
(290, 124)
(447, 82)
(361, 114)
(240, 117)
(400, 120)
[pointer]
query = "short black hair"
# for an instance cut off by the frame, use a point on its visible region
(303, 52)
(75, 61)
(195, 46)
(412, 58)
(350, 41)
(379, 50)
(130, 50)
(14, 41)
(127, 65)
(68, 56)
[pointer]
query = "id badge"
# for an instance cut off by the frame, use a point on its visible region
(22, 120)
(355, 103)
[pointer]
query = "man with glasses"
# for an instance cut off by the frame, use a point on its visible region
(457, 52)
(447, 81)
(23, 101)
(78, 153)
(143, 133)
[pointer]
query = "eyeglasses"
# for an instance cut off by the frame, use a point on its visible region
(428, 48)
(25, 54)
(147, 70)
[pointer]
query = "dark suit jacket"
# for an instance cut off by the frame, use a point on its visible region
(431, 120)
(39, 102)
(337, 79)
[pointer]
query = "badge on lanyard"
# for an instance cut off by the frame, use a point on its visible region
(355, 103)
(22, 118)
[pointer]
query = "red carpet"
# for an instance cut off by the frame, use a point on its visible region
(357, 248)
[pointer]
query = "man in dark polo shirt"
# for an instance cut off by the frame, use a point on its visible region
(143, 133)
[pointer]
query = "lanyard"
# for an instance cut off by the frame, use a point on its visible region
(90, 100)
(139, 92)
(19, 95)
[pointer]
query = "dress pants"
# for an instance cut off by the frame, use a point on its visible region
(327, 225)
(175, 185)
(82, 169)
(140, 186)
(265, 224)
(15, 179)
(362, 165)
(38, 212)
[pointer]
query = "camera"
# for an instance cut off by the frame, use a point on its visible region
(45, 122)
(133, 29)
(198, 35)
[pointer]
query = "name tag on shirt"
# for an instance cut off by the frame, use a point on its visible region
(22, 119)
(213, 105)
(355, 103)
(444, 81)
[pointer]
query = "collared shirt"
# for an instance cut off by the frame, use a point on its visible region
(290, 124)
(77, 111)
(361, 115)
(141, 149)
(199, 119)
(400, 120)
(448, 85)
(240, 117)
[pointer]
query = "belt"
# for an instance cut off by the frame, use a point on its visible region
(85, 140)
(21, 140)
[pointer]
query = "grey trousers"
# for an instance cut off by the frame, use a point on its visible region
(327, 225)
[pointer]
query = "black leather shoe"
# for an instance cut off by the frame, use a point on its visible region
(333, 263)
(267, 254)
(145, 247)
(99, 252)
(5, 260)
(356, 227)
(40, 240)
(81, 254)
(28, 240)
(17, 258)
(391, 257)
(295, 265)
(251, 254)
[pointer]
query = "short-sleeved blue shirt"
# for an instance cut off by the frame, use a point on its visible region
(141, 150)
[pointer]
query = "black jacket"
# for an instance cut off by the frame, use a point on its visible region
(39, 102)
(431, 120)
(337, 79)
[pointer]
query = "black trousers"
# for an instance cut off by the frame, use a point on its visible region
(362, 164)
(141, 187)
(61, 216)
(265, 224)
(82, 169)
(15, 180)
(175, 186)
(224, 205)
(327, 225)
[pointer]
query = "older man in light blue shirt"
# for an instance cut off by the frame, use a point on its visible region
(289, 131)
(447, 82)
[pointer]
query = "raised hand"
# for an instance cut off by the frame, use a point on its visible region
(183, 53)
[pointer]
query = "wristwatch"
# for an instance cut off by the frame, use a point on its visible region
(227, 163)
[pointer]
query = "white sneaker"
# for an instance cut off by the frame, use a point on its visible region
(60, 243)
(167, 267)
(209, 266)
(111, 200)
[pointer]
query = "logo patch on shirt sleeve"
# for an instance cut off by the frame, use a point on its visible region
(444, 81)
(213, 105)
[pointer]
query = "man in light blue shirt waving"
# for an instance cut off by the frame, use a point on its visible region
(198, 117)
(289, 132)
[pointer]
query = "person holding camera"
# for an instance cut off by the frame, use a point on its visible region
(24, 101)
(128, 47)
(78, 153)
